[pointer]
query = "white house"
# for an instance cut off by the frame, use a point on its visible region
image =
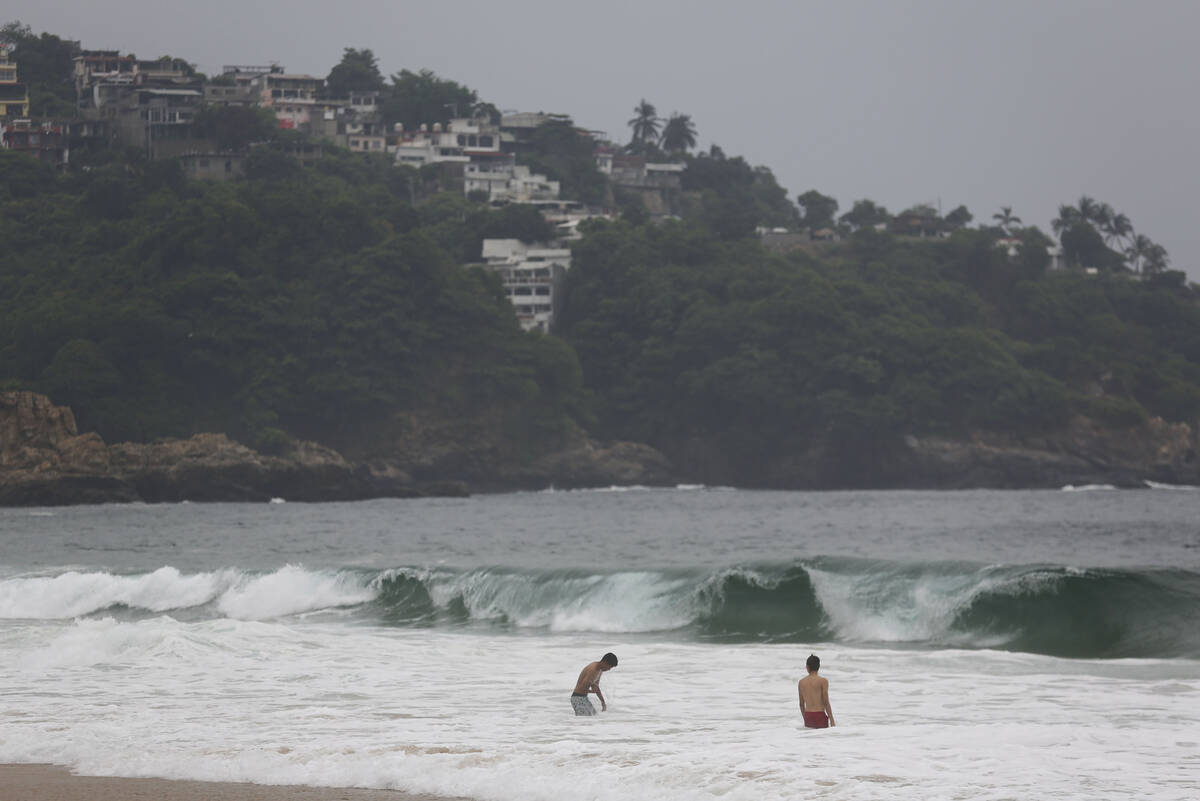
(532, 277)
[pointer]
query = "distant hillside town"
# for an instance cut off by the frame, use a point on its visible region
(165, 109)
(70, 106)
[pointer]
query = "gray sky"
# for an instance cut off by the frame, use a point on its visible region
(1019, 103)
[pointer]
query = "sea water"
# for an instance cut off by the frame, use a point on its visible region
(979, 645)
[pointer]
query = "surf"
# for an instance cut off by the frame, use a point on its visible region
(1046, 609)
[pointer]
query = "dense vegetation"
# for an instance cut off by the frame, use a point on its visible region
(322, 303)
(298, 302)
(702, 346)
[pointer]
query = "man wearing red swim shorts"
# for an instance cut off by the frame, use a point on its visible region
(814, 697)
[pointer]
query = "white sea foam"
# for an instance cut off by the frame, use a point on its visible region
(339, 705)
(1088, 487)
(1158, 485)
(622, 602)
(287, 591)
(74, 593)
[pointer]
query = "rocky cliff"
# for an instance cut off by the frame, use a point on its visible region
(44, 460)
(1083, 453)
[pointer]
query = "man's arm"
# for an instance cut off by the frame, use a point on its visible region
(800, 691)
(600, 695)
(825, 701)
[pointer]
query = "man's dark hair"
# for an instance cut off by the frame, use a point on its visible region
(609, 659)
(814, 662)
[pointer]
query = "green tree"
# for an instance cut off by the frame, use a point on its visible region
(819, 210)
(235, 128)
(357, 71)
(45, 64)
(1006, 219)
(422, 98)
(645, 125)
(958, 217)
(560, 151)
(865, 214)
(678, 134)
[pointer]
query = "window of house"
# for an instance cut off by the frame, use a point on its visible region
(462, 140)
(485, 141)
(542, 290)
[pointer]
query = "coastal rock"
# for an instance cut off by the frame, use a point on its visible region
(438, 449)
(45, 461)
(592, 464)
(1083, 453)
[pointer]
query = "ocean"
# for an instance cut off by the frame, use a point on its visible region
(978, 645)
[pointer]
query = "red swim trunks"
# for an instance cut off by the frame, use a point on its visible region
(816, 720)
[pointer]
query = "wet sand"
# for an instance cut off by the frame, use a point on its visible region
(54, 783)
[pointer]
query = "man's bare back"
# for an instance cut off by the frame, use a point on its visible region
(589, 678)
(814, 697)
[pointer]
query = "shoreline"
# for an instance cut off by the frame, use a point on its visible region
(46, 782)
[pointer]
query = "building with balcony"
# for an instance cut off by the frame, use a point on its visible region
(14, 98)
(101, 67)
(532, 276)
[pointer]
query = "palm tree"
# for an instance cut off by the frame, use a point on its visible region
(1118, 226)
(644, 125)
(1068, 216)
(1007, 218)
(1157, 259)
(1089, 209)
(1138, 251)
(678, 134)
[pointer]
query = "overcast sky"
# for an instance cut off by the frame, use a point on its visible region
(1017, 103)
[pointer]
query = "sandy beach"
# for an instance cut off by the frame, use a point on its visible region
(55, 783)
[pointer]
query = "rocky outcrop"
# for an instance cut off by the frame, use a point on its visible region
(1083, 453)
(476, 450)
(593, 464)
(45, 461)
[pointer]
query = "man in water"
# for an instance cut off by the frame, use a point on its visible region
(589, 682)
(814, 697)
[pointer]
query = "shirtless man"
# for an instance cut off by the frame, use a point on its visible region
(589, 682)
(814, 697)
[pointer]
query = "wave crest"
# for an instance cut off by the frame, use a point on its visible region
(1039, 608)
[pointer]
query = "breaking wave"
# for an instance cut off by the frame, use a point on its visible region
(1048, 609)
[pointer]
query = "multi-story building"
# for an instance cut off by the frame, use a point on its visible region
(45, 141)
(532, 276)
(99, 73)
(145, 104)
(460, 140)
(355, 123)
(235, 86)
(292, 97)
(14, 98)
(518, 128)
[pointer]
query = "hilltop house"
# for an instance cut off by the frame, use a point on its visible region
(146, 104)
(658, 184)
(532, 276)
